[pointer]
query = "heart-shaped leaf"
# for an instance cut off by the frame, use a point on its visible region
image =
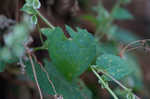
(72, 56)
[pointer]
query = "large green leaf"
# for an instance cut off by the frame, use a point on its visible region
(113, 65)
(63, 87)
(71, 56)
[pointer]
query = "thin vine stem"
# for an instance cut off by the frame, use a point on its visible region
(40, 34)
(35, 77)
(40, 48)
(116, 81)
(44, 70)
(44, 19)
(134, 48)
(119, 83)
(104, 84)
(50, 81)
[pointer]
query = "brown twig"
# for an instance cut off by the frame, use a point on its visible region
(35, 76)
(50, 81)
(134, 48)
(130, 44)
(56, 96)
(44, 70)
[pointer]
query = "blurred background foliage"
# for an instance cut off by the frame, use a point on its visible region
(114, 23)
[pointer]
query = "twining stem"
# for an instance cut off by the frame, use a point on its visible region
(104, 84)
(44, 19)
(35, 76)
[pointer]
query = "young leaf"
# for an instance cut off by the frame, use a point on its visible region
(122, 14)
(113, 65)
(71, 56)
(28, 9)
(29, 2)
(130, 96)
(36, 4)
(103, 14)
(34, 19)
